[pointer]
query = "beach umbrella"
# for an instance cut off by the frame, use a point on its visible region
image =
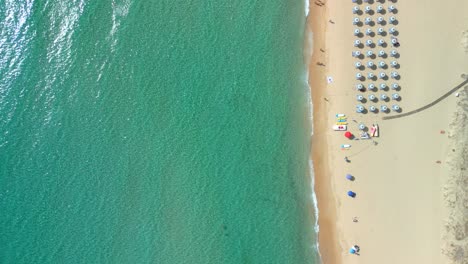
(356, 53)
(379, 9)
(359, 87)
(355, 9)
(371, 86)
(394, 75)
(370, 75)
(395, 96)
(383, 97)
(372, 108)
(368, 31)
(351, 194)
(380, 20)
(371, 97)
(359, 97)
(395, 86)
(369, 42)
(356, 21)
(392, 19)
(381, 42)
(358, 65)
(383, 108)
(369, 53)
(362, 126)
(368, 20)
(358, 76)
(357, 42)
(381, 53)
(350, 177)
(392, 8)
(392, 30)
(394, 64)
(394, 41)
(393, 53)
(370, 64)
(382, 75)
(357, 32)
(348, 134)
(382, 64)
(395, 108)
(383, 86)
(360, 108)
(367, 9)
(380, 31)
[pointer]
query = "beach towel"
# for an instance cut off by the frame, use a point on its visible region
(329, 79)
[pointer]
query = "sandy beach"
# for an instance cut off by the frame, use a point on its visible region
(410, 183)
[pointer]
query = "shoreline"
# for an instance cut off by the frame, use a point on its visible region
(328, 246)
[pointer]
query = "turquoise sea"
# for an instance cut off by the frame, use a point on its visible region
(159, 131)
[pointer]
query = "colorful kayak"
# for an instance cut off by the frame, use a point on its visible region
(340, 127)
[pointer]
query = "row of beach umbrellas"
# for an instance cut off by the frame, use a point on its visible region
(369, 43)
(382, 86)
(383, 108)
(370, 53)
(380, 64)
(372, 97)
(381, 75)
(369, 21)
(379, 31)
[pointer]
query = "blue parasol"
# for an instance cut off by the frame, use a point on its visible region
(350, 177)
(351, 194)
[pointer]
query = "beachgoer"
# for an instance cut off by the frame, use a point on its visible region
(326, 99)
(355, 219)
(346, 159)
(331, 21)
(357, 248)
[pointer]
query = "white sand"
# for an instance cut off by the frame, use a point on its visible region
(399, 183)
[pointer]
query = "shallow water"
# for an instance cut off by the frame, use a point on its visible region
(168, 132)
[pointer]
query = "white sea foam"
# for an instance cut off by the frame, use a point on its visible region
(306, 9)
